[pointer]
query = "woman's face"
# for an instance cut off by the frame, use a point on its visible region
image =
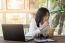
(45, 18)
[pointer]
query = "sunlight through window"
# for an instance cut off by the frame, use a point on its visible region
(0, 4)
(16, 18)
(15, 4)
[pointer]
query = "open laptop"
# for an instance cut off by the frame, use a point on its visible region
(13, 32)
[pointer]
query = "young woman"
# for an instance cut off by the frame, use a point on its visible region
(40, 24)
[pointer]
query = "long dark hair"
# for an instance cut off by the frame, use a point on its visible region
(40, 14)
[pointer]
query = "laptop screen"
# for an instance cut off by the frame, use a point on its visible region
(14, 32)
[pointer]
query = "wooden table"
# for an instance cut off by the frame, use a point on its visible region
(59, 39)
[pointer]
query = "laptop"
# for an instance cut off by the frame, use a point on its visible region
(13, 32)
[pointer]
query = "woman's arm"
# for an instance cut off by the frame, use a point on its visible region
(33, 29)
(47, 31)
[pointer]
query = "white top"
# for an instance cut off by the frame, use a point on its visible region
(33, 29)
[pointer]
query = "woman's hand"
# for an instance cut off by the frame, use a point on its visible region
(46, 29)
(44, 25)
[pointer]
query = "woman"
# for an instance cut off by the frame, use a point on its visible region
(40, 24)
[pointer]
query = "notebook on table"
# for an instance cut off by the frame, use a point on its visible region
(43, 40)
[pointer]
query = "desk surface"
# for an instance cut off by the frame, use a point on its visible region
(59, 39)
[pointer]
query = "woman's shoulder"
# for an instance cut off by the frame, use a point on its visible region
(33, 23)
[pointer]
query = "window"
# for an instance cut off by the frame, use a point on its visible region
(0, 4)
(15, 4)
(26, 4)
(19, 9)
(16, 18)
(1, 18)
(34, 4)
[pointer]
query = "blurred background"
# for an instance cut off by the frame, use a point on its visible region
(22, 11)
